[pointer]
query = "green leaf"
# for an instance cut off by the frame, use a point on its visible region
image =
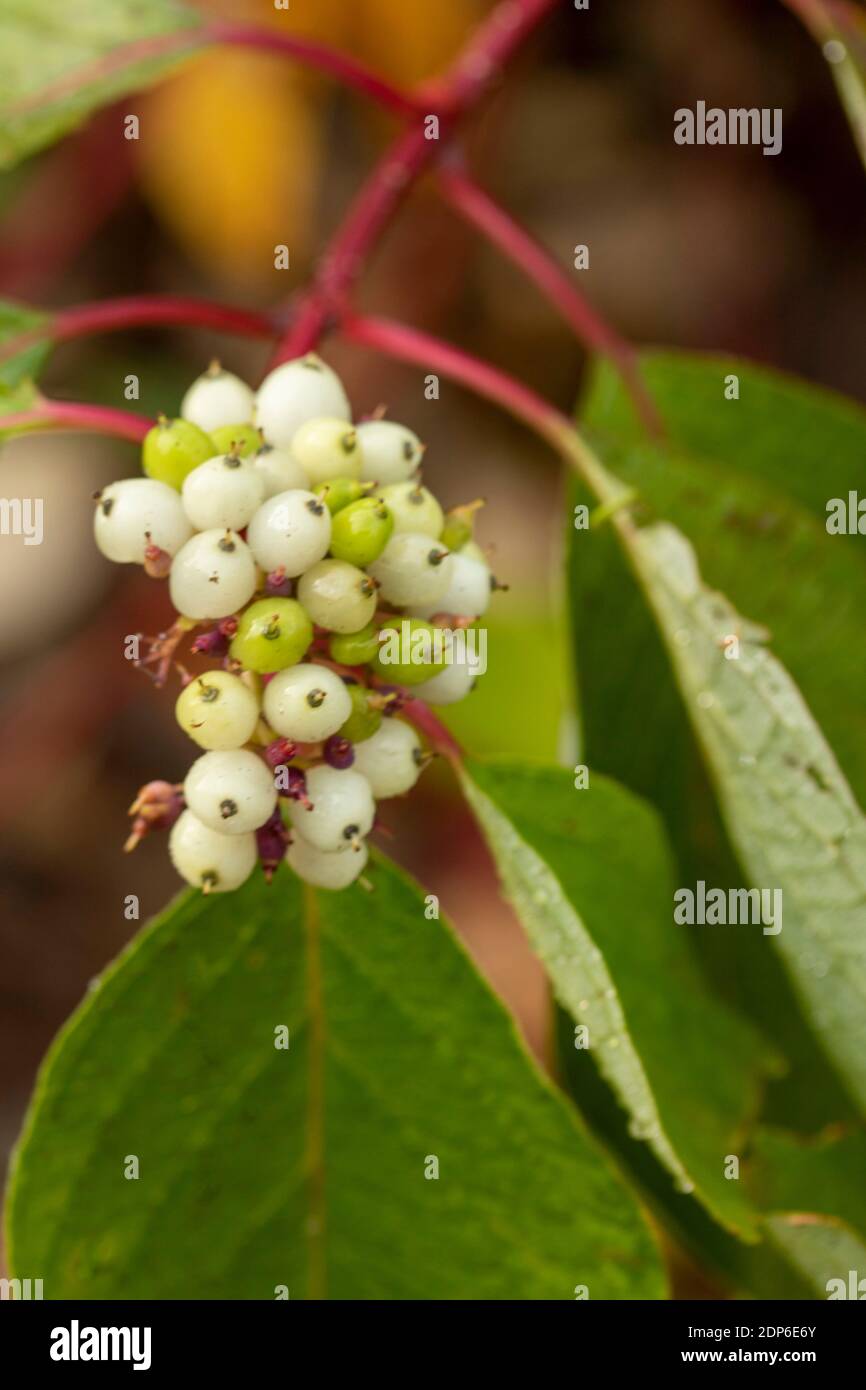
(305, 1167)
(718, 476)
(789, 811)
(823, 1174)
(15, 320)
(590, 875)
(58, 63)
(824, 1251)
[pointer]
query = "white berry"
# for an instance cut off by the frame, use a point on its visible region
(414, 508)
(279, 470)
(342, 811)
(468, 592)
(218, 711)
(391, 452)
(212, 576)
(217, 398)
(224, 491)
(327, 448)
(291, 530)
(391, 759)
(450, 685)
(306, 703)
(412, 569)
(208, 860)
(135, 513)
(337, 596)
(232, 792)
(323, 870)
(296, 392)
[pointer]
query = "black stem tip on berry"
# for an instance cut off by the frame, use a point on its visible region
(315, 506)
(437, 556)
(316, 698)
(226, 543)
(228, 808)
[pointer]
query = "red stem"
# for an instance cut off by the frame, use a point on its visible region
(521, 247)
(481, 61)
(422, 350)
(341, 66)
(115, 315)
(100, 419)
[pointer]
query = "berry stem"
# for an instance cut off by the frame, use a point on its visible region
(136, 311)
(98, 419)
(539, 266)
(837, 20)
(498, 39)
(440, 739)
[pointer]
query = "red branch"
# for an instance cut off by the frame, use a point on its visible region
(423, 350)
(116, 315)
(470, 76)
(521, 247)
(99, 419)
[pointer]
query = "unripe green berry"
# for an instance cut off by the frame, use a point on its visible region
(338, 493)
(238, 439)
(459, 527)
(361, 531)
(365, 717)
(174, 448)
(407, 652)
(273, 633)
(327, 448)
(354, 648)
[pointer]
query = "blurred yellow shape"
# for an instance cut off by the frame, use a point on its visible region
(408, 42)
(229, 157)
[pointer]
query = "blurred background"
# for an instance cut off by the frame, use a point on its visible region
(716, 248)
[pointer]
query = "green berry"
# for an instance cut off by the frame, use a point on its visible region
(361, 531)
(273, 633)
(410, 651)
(365, 717)
(338, 493)
(354, 648)
(414, 509)
(244, 440)
(174, 448)
(459, 527)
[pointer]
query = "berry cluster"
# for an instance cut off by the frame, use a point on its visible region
(303, 544)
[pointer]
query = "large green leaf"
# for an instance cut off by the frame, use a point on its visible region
(305, 1167)
(59, 62)
(789, 811)
(590, 875)
(718, 476)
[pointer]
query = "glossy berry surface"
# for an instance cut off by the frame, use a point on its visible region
(135, 513)
(306, 703)
(208, 860)
(354, 648)
(273, 633)
(239, 439)
(391, 452)
(217, 398)
(212, 576)
(413, 508)
(338, 597)
(225, 491)
(327, 448)
(231, 792)
(365, 717)
(218, 711)
(291, 531)
(303, 389)
(410, 651)
(360, 531)
(174, 448)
